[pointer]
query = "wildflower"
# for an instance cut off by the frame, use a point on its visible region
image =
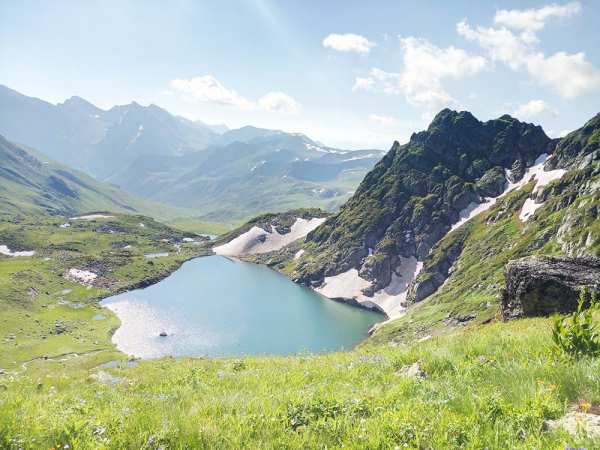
(584, 406)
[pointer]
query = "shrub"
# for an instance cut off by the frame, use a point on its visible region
(577, 335)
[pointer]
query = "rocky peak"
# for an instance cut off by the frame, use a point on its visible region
(579, 147)
(410, 199)
(80, 105)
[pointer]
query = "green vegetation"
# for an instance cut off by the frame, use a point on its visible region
(489, 387)
(565, 224)
(31, 183)
(578, 335)
(447, 374)
(199, 226)
(46, 315)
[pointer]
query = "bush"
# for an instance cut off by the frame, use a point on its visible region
(577, 335)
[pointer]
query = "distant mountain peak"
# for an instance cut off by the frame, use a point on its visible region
(80, 105)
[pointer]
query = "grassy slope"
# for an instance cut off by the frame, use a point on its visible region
(33, 290)
(489, 387)
(197, 225)
(31, 183)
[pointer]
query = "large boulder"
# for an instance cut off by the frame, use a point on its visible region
(542, 285)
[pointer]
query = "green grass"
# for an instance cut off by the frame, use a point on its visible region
(488, 387)
(199, 226)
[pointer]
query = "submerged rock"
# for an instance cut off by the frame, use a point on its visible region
(542, 285)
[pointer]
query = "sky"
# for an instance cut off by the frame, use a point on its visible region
(351, 74)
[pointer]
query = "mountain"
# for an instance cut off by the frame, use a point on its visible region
(416, 192)
(250, 171)
(99, 142)
(225, 174)
(428, 233)
(31, 183)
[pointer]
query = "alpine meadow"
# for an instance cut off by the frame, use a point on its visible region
(257, 224)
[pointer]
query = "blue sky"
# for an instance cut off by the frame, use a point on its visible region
(349, 73)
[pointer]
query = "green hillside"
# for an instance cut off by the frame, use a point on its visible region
(30, 183)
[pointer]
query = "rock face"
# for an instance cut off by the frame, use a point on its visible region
(541, 285)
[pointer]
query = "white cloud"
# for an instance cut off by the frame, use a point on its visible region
(534, 19)
(534, 108)
(425, 66)
(569, 75)
(385, 121)
(348, 42)
(207, 88)
(278, 102)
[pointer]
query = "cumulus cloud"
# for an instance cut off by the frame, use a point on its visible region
(425, 66)
(348, 42)
(535, 19)
(534, 108)
(568, 74)
(278, 102)
(207, 88)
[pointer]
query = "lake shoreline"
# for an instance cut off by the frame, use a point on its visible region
(176, 307)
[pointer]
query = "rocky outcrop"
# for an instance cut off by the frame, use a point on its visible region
(437, 268)
(542, 285)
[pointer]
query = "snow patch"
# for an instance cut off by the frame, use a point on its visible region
(137, 136)
(344, 285)
(536, 171)
(81, 276)
(257, 165)
(390, 300)
(256, 240)
(92, 217)
(473, 209)
(156, 255)
(529, 208)
(542, 178)
(4, 250)
(299, 253)
(319, 149)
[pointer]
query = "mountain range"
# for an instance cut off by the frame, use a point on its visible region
(31, 183)
(223, 174)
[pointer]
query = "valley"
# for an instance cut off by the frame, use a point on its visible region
(274, 225)
(215, 179)
(443, 333)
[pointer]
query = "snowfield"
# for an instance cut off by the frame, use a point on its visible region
(4, 250)
(256, 240)
(390, 300)
(92, 217)
(81, 276)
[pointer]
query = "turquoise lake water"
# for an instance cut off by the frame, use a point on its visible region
(215, 306)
